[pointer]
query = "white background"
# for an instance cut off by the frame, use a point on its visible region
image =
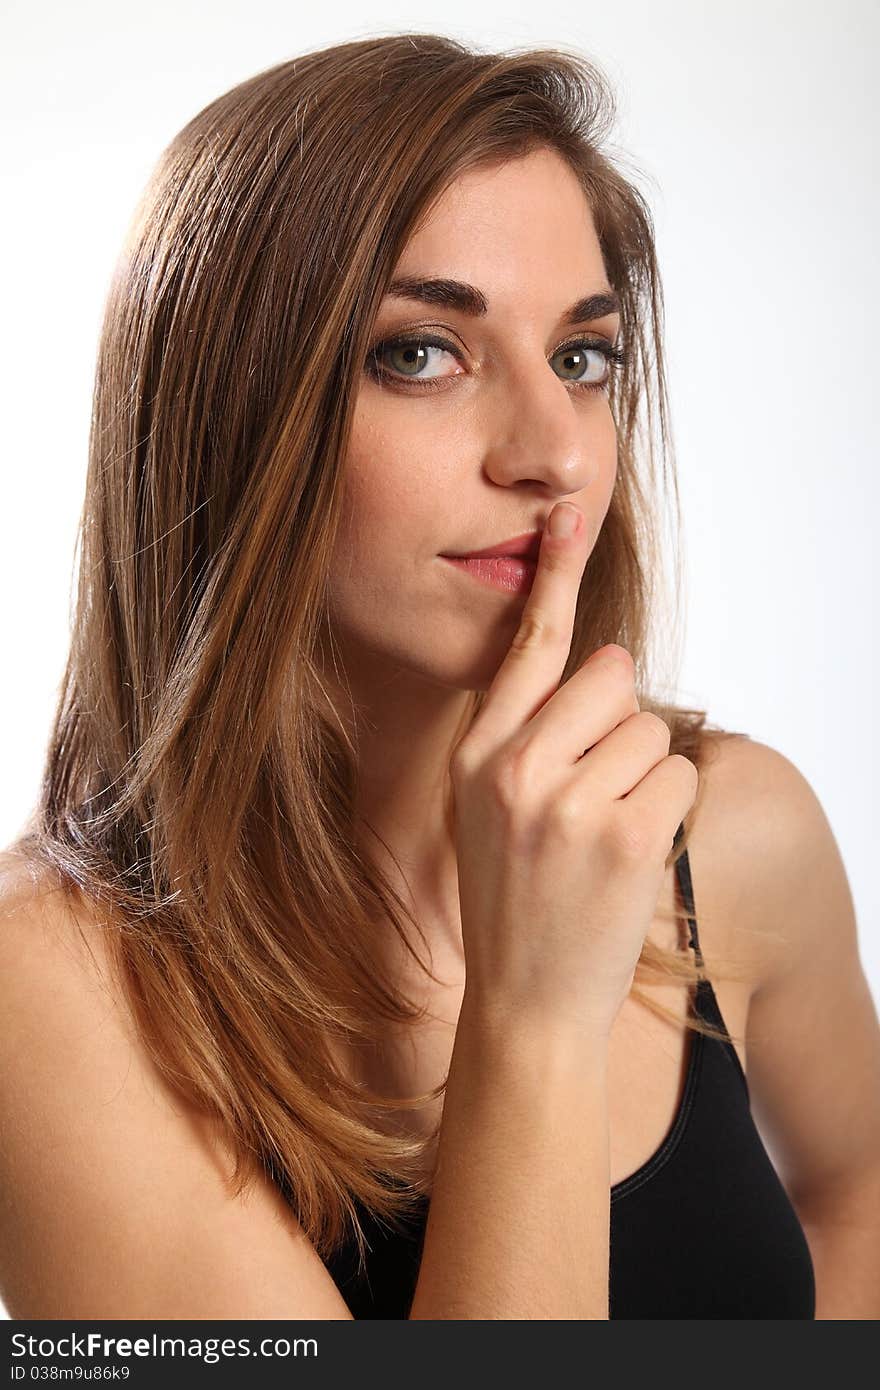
(755, 124)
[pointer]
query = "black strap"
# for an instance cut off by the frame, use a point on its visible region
(683, 875)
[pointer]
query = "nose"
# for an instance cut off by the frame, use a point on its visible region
(539, 434)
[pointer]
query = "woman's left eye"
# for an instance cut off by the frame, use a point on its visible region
(413, 353)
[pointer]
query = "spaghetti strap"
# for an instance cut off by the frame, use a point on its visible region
(705, 1000)
(683, 874)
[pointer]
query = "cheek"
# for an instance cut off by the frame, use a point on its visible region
(603, 452)
(395, 485)
(606, 451)
(383, 512)
(388, 530)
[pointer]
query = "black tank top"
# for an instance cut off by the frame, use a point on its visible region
(703, 1229)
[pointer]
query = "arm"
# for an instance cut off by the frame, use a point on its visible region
(813, 1040)
(519, 1220)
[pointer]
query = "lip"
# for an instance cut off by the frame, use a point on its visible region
(525, 546)
(513, 573)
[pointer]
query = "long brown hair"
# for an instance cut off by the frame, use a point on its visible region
(198, 785)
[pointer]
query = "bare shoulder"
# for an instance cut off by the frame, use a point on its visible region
(117, 1200)
(758, 826)
(783, 899)
(47, 936)
(57, 985)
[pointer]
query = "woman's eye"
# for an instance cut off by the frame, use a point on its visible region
(404, 361)
(588, 365)
(410, 356)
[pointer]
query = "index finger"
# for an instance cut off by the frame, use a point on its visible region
(533, 666)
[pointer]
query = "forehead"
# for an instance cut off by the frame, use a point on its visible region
(525, 219)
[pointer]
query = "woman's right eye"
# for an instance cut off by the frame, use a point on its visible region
(407, 357)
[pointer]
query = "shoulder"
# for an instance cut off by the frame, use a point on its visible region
(43, 928)
(759, 838)
(68, 1044)
(812, 1038)
(117, 1196)
(754, 792)
(54, 947)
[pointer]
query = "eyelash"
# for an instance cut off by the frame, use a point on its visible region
(615, 358)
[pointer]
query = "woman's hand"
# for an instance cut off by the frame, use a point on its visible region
(562, 851)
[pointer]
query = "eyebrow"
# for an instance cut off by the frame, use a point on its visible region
(467, 299)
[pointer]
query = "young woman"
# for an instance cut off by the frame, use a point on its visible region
(350, 960)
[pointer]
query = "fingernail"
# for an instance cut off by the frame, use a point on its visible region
(564, 520)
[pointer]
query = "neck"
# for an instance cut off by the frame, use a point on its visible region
(403, 729)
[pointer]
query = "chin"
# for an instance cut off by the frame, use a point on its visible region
(469, 675)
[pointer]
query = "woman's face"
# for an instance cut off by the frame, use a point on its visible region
(508, 426)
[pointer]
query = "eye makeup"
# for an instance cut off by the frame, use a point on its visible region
(615, 357)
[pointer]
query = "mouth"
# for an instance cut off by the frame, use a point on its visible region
(512, 573)
(524, 547)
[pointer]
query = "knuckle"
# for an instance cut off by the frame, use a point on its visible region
(689, 770)
(626, 840)
(534, 631)
(619, 656)
(655, 727)
(507, 779)
(618, 666)
(464, 761)
(566, 812)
